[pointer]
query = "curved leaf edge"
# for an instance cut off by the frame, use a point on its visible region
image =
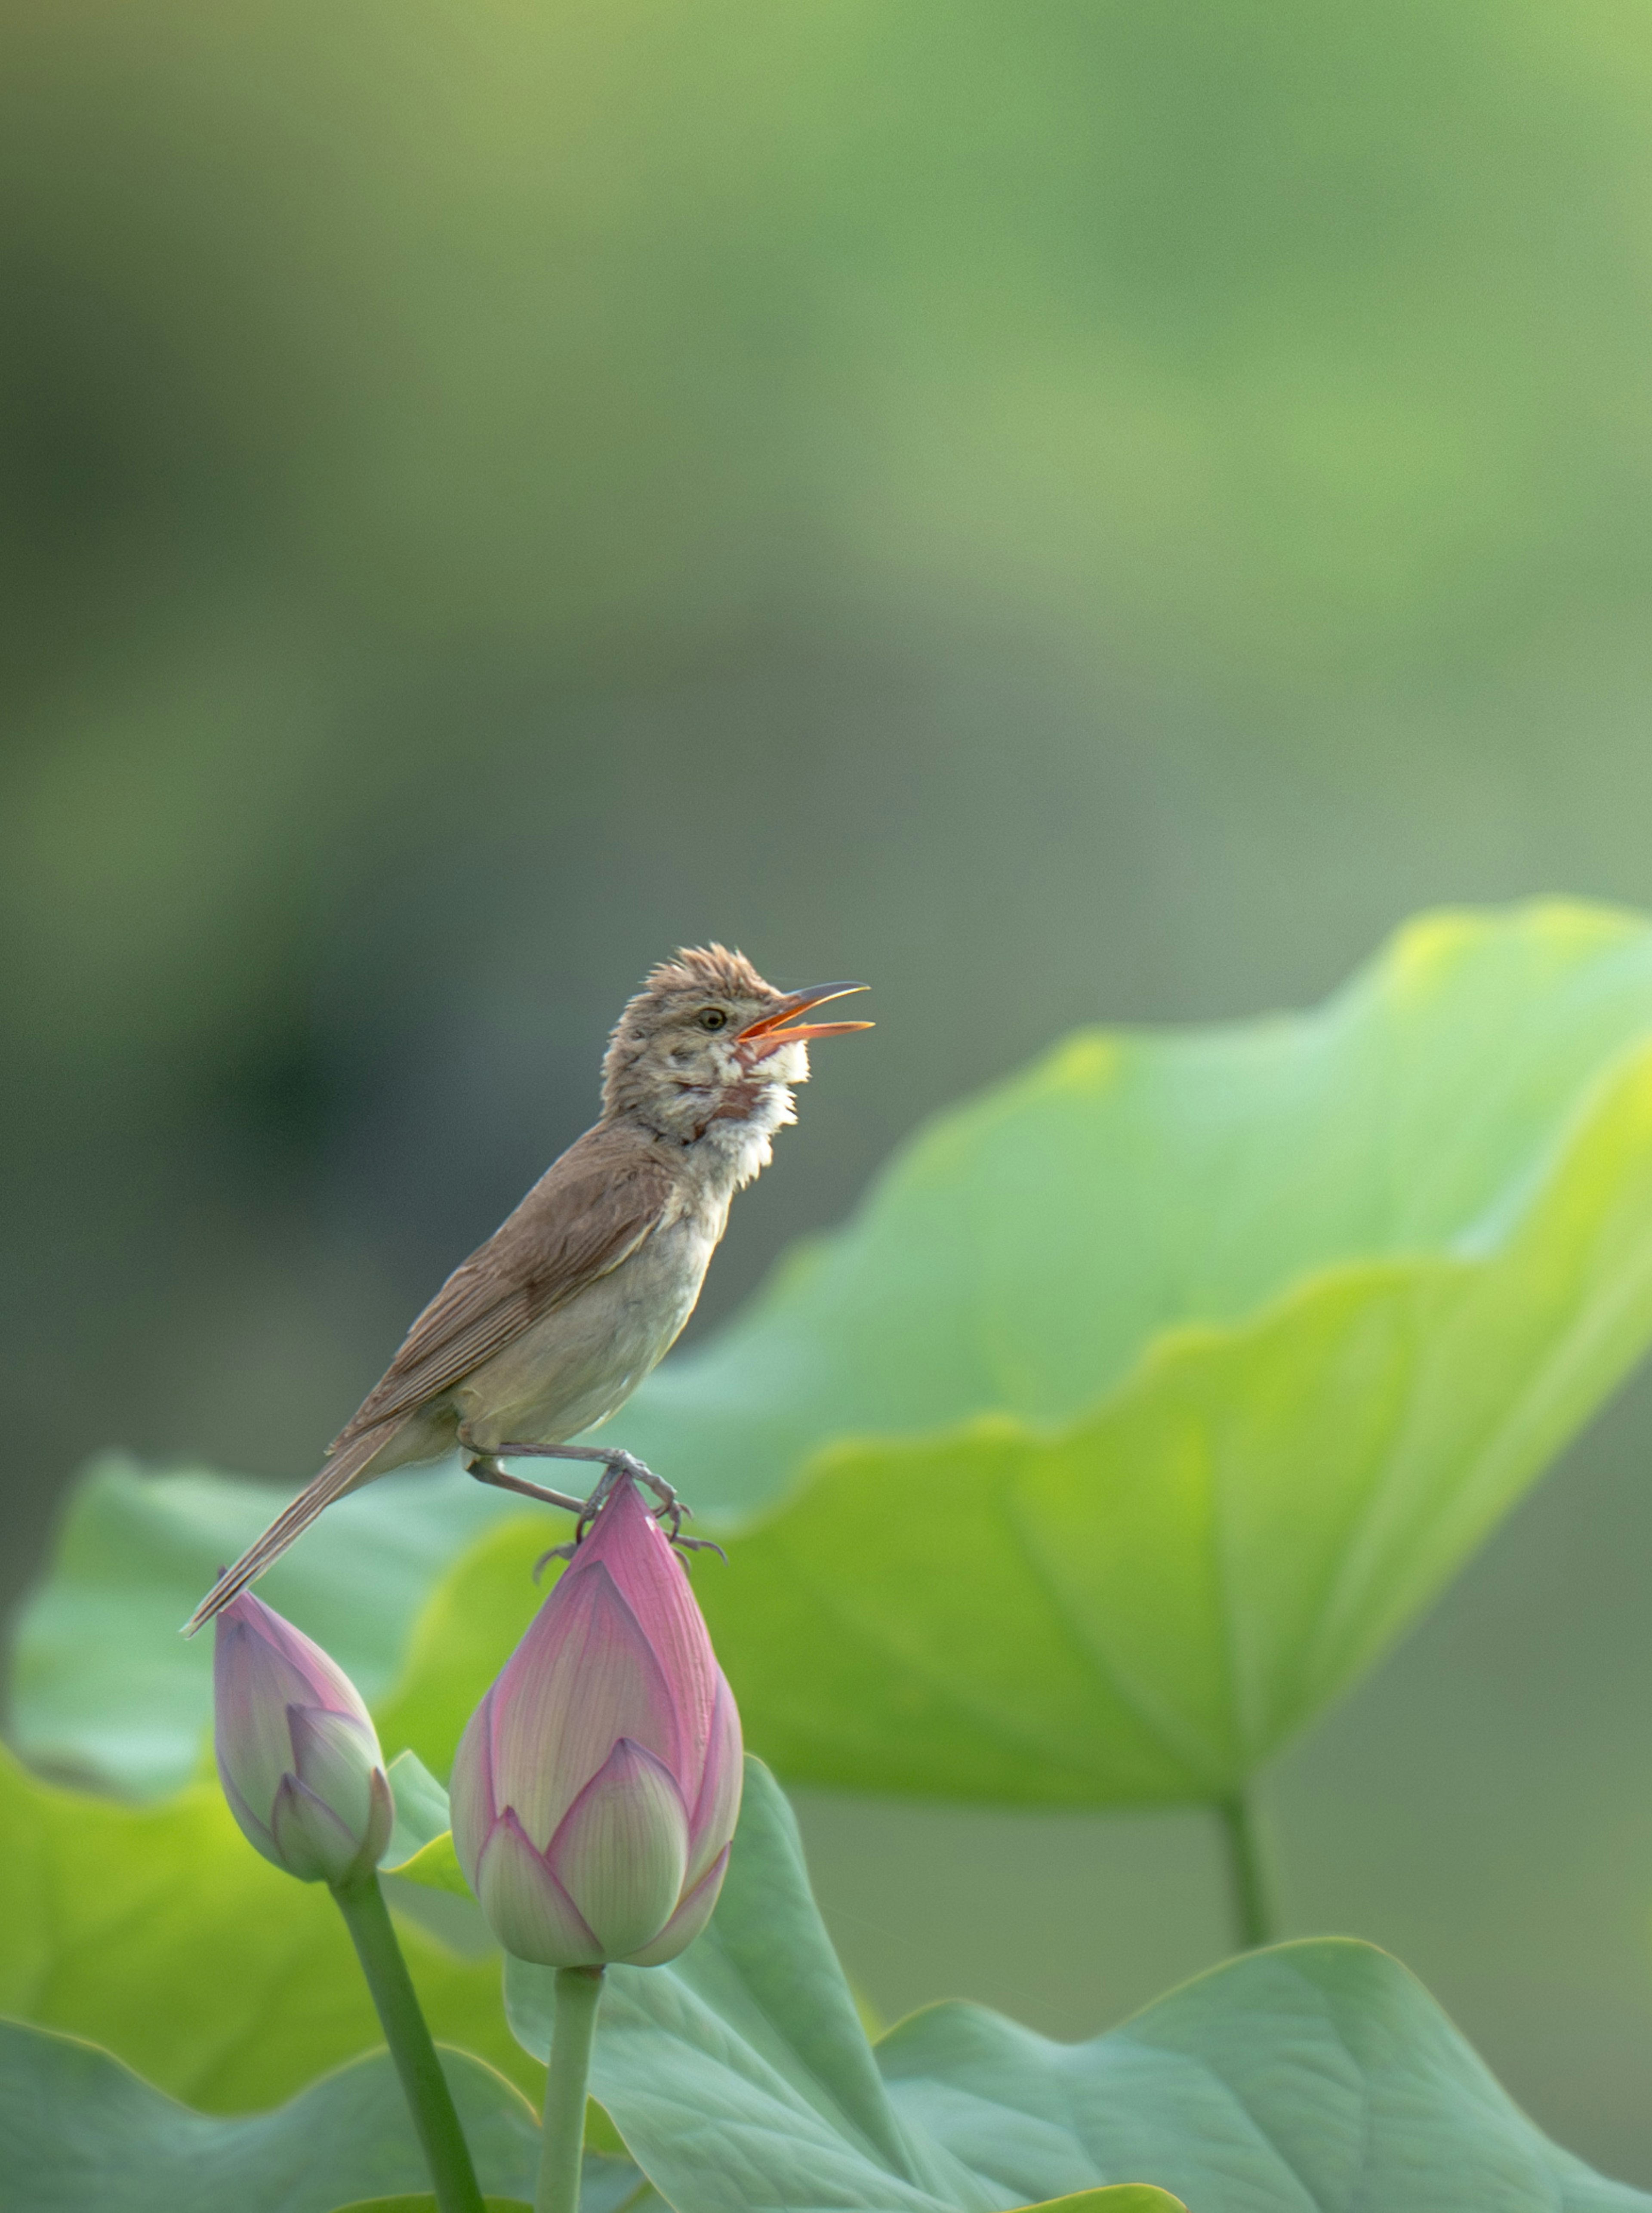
(1475, 1251)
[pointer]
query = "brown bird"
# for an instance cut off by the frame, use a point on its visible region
(551, 1326)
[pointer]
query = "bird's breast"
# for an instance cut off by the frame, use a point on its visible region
(580, 1361)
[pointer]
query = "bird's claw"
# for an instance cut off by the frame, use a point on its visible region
(678, 1543)
(700, 1544)
(670, 1512)
(621, 1463)
(671, 1520)
(624, 1463)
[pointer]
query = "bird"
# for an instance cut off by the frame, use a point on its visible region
(549, 1327)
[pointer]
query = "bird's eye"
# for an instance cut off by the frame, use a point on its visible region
(713, 1018)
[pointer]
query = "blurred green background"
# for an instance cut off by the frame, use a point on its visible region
(1067, 511)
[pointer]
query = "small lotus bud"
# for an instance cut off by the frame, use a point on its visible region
(298, 1757)
(596, 1786)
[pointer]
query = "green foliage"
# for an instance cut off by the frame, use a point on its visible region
(1023, 1253)
(1302, 2076)
(1314, 2076)
(104, 1692)
(1145, 1401)
(159, 1933)
(79, 2131)
(421, 1811)
(420, 1872)
(428, 2205)
(1119, 2197)
(474, 1620)
(435, 1867)
(1333, 1289)
(1150, 1395)
(1142, 1405)
(606, 2186)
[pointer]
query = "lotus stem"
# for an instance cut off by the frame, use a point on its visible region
(578, 1991)
(1250, 1876)
(425, 2086)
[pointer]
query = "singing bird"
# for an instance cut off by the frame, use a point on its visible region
(550, 1326)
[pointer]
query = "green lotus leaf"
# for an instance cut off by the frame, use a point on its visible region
(420, 1872)
(435, 1867)
(1145, 1401)
(475, 1617)
(1021, 1255)
(160, 1934)
(103, 1691)
(1149, 1396)
(427, 2204)
(1117, 2197)
(421, 1811)
(1141, 1602)
(606, 2186)
(78, 2130)
(1307, 2079)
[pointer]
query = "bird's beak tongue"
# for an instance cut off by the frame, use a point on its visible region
(768, 1031)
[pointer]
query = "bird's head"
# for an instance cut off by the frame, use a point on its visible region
(707, 1042)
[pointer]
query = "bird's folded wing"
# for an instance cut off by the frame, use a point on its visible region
(587, 1214)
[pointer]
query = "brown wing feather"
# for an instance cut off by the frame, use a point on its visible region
(588, 1211)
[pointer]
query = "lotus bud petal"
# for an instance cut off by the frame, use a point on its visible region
(622, 1850)
(298, 1754)
(690, 1917)
(597, 1785)
(527, 1908)
(718, 1809)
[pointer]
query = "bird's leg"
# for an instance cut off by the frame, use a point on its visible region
(615, 1465)
(486, 1467)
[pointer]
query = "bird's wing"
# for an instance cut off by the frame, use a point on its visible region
(590, 1211)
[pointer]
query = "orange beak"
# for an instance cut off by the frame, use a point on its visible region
(765, 1034)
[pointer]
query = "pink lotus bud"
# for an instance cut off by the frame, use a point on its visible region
(596, 1786)
(298, 1757)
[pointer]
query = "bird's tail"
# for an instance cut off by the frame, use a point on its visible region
(340, 1474)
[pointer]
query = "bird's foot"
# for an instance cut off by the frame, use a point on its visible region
(700, 1544)
(679, 1542)
(616, 1466)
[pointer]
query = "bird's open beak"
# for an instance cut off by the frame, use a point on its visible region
(767, 1032)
